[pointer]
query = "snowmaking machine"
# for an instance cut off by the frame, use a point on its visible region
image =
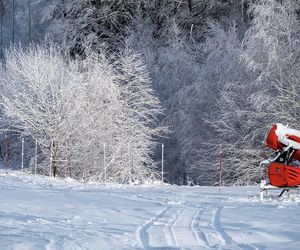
(283, 169)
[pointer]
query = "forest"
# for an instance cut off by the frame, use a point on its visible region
(94, 87)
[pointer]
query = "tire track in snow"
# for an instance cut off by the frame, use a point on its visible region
(161, 231)
(174, 227)
(142, 234)
(214, 233)
(228, 240)
(207, 223)
(200, 236)
(217, 225)
(172, 239)
(184, 229)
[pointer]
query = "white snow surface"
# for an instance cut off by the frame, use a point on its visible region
(39, 212)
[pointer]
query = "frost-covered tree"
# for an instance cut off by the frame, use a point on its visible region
(171, 41)
(167, 34)
(97, 105)
(207, 89)
(120, 111)
(272, 54)
(2, 13)
(143, 109)
(35, 95)
(200, 138)
(76, 106)
(96, 22)
(108, 21)
(172, 67)
(265, 92)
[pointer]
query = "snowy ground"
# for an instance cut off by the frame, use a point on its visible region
(42, 213)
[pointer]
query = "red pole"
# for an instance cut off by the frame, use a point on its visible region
(85, 168)
(221, 156)
(6, 154)
(265, 157)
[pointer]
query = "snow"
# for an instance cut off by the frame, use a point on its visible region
(38, 212)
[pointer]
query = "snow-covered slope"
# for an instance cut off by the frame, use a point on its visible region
(42, 213)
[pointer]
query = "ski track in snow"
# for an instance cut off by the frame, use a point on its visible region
(142, 234)
(181, 228)
(187, 227)
(230, 244)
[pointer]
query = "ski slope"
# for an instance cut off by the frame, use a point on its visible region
(42, 213)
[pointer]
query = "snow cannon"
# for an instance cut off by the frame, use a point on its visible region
(281, 136)
(283, 169)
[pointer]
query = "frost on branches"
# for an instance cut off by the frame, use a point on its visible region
(77, 110)
(245, 84)
(265, 88)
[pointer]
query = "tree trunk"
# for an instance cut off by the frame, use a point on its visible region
(54, 158)
(190, 5)
(54, 171)
(13, 21)
(2, 12)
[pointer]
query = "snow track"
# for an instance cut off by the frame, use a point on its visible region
(181, 227)
(142, 234)
(212, 236)
(186, 227)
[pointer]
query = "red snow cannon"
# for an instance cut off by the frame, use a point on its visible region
(283, 170)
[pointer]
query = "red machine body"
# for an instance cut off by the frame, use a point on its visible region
(286, 141)
(281, 175)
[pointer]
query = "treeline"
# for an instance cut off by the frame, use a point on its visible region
(223, 71)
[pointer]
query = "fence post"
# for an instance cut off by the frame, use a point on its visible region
(104, 164)
(85, 168)
(1, 31)
(129, 163)
(29, 21)
(35, 163)
(13, 21)
(162, 164)
(22, 154)
(51, 158)
(221, 159)
(6, 154)
(265, 157)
